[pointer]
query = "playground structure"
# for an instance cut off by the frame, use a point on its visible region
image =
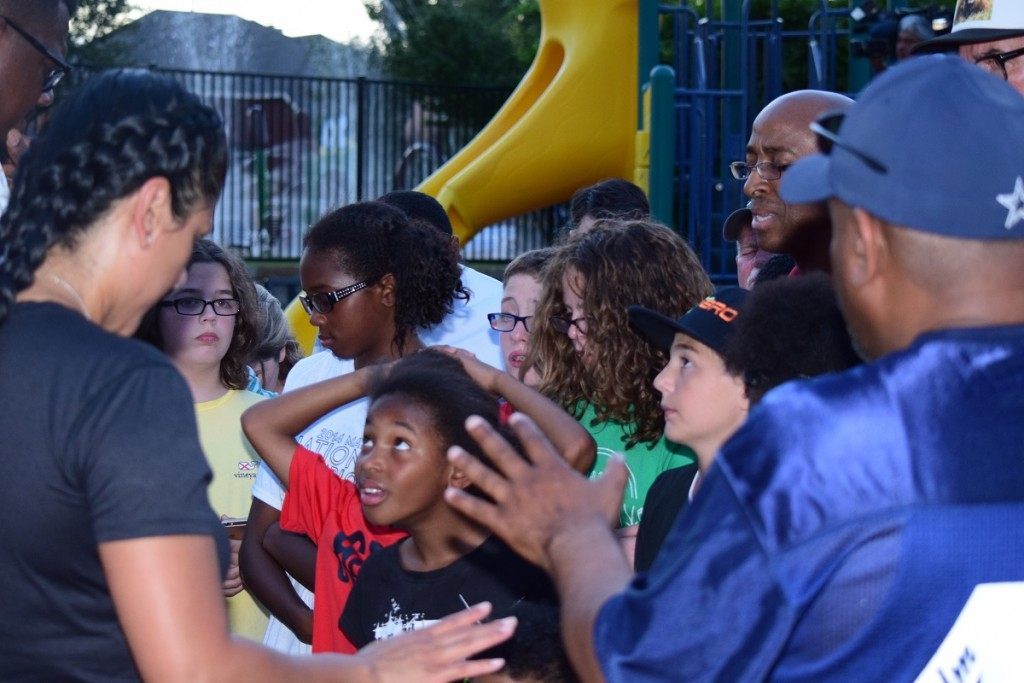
(596, 103)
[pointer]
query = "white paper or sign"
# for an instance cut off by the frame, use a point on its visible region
(986, 642)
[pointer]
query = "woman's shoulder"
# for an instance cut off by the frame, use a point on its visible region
(60, 337)
(317, 367)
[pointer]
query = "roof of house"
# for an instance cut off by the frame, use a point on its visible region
(221, 42)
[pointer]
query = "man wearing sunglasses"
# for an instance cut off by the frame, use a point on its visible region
(33, 46)
(779, 136)
(989, 34)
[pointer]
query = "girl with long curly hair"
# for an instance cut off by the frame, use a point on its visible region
(588, 359)
(372, 278)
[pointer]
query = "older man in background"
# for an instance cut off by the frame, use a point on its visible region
(989, 33)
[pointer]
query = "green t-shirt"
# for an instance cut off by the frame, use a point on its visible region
(645, 461)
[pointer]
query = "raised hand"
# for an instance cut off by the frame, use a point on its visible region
(538, 500)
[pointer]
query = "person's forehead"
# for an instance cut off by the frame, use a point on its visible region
(785, 128)
(51, 28)
(991, 47)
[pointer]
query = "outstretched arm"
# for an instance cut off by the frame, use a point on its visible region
(553, 517)
(272, 425)
(568, 437)
(167, 595)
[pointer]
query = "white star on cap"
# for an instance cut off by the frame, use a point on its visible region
(1014, 202)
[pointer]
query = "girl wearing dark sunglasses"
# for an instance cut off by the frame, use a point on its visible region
(371, 279)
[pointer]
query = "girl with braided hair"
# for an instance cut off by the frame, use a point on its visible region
(109, 549)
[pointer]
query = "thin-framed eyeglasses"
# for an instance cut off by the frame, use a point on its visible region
(826, 128)
(323, 302)
(54, 76)
(506, 322)
(190, 305)
(562, 323)
(741, 170)
(995, 64)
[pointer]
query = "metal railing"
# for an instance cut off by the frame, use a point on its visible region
(727, 70)
(300, 146)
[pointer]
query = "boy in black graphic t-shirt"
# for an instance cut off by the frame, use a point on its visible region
(418, 410)
(388, 599)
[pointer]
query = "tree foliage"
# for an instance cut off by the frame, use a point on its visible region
(457, 42)
(95, 19)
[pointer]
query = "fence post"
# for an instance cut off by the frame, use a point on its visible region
(661, 190)
(648, 47)
(360, 137)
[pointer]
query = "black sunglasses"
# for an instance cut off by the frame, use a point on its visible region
(54, 76)
(323, 302)
(826, 128)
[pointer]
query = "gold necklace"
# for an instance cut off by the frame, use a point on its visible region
(57, 279)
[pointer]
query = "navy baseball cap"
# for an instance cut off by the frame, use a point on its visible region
(710, 322)
(734, 224)
(935, 144)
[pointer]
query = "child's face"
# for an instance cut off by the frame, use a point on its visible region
(353, 327)
(401, 472)
(520, 298)
(572, 299)
(199, 340)
(703, 403)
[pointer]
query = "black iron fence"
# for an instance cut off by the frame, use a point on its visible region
(301, 146)
(727, 69)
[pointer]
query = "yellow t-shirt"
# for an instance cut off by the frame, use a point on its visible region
(234, 464)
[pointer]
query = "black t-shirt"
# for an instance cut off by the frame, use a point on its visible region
(99, 444)
(665, 500)
(388, 600)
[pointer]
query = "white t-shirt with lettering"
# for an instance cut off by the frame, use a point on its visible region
(338, 436)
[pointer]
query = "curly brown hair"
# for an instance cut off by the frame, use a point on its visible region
(620, 263)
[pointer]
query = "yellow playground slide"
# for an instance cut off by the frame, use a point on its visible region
(571, 122)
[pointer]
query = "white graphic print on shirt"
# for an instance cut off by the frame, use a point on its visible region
(397, 623)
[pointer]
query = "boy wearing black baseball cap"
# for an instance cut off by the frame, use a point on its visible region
(703, 402)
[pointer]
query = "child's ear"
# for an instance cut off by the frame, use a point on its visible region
(458, 479)
(386, 285)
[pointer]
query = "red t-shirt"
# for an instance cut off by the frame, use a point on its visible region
(325, 507)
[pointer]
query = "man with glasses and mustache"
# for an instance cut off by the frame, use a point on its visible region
(989, 33)
(863, 526)
(779, 136)
(33, 46)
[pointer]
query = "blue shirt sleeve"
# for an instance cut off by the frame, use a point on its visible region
(709, 609)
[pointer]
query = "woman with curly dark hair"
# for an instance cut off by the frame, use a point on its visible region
(590, 361)
(372, 278)
(111, 559)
